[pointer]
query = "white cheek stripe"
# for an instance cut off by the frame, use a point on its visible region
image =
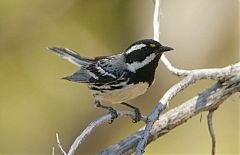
(136, 65)
(135, 47)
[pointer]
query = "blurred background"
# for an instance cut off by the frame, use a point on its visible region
(35, 103)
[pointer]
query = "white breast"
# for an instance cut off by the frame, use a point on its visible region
(121, 95)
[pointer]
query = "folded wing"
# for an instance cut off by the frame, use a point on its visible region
(103, 71)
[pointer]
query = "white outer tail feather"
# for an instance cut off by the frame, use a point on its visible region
(70, 55)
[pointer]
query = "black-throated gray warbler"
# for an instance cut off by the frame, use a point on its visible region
(117, 78)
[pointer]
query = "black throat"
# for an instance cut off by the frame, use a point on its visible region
(146, 73)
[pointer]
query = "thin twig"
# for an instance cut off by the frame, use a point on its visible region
(156, 35)
(53, 150)
(172, 69)
(211, 130)
(156, 20)
(59, 145)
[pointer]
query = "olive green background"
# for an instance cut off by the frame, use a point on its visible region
(35, 103)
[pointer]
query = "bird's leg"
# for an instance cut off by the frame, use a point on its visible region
(138, 114)
(112, 111)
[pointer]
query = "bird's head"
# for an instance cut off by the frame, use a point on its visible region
(141, 49)
(143, 52)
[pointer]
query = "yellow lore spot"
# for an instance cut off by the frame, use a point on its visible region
(152, 45)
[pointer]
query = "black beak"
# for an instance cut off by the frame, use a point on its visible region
(165, 48)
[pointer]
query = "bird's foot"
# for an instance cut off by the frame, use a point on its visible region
(138, 116)
(137, 112)
(111, 111)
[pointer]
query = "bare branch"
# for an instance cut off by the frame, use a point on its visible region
(90, 128)
(190, 77)
(216, 74)
(207, 100)
(211, 130)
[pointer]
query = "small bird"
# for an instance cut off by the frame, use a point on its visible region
(118, 78)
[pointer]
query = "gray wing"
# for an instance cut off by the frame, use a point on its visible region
(81, 76)
(104, 70)
(71, 56)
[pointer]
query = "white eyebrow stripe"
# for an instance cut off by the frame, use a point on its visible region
(137, 65)
(135, 47)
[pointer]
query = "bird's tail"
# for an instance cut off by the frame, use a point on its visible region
(71, 56)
